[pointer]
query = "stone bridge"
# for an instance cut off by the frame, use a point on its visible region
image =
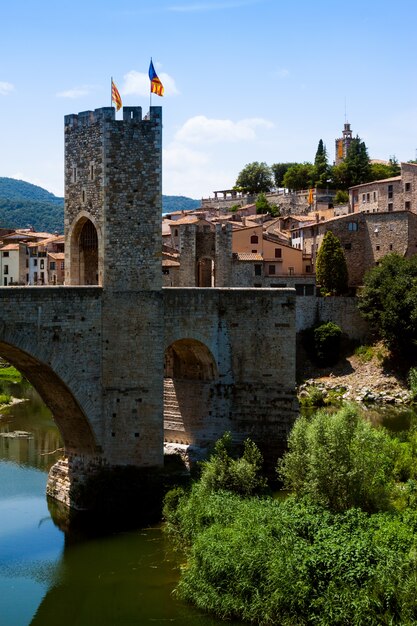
(101, 366)
(112, 353)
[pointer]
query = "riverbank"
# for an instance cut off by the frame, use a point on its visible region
(367, 376)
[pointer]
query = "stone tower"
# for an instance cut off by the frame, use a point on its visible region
(113, 240)
(343, 143)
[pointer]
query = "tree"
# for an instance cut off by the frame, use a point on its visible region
(388, 301)
(321, 166)
(331, 268)
(279, 170)
(379, 171)
(355, 169)
(299, 176)
(340, 461)
(357, 162)
(263, 206)
(255, 178)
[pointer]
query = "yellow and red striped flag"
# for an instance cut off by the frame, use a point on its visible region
(156, 85)
(115, 96)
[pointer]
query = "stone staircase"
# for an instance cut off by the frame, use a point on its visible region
(172, 414)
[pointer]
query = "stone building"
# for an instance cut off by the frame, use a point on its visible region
(398, 193)
(342, 144)
(366, 238)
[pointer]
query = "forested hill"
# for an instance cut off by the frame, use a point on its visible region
(23, 204)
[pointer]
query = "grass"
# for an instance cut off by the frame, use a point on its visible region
(10, 373)
(364, 353)
(5, 398)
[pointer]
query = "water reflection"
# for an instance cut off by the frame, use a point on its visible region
(78, 579)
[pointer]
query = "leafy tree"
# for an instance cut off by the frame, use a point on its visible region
(331, 268)
(379, 171)
(279, 170)
(322, 342)
(299, 176)
(388, 301)
(394, 166)
(264, 206)
(255, 178)
(357, 162)
(340, 461)
(341, 197)
(321, 166)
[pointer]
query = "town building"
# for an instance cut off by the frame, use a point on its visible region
(398, 193)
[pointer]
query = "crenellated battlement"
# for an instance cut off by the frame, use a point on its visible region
(130, 114)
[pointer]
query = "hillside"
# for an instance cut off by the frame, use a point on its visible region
(23, 204)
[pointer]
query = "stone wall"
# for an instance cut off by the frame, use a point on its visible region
(250, 334)
(342, 311)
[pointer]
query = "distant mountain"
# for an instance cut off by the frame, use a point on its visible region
(178, 203)
(23, 204)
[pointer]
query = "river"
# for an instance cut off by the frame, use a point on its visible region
(49, 577)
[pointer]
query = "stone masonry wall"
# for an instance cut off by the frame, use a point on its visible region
(248, 397)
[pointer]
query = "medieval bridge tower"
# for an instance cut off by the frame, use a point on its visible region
(101, 349)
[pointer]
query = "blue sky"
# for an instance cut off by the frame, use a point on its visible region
(245, 80)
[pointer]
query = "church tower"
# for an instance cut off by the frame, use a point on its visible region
(343, 143)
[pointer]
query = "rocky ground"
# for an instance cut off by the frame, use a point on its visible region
(373, 381)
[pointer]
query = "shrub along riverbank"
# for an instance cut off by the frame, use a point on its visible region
(342, 549)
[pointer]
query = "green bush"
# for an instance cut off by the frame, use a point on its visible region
(340, 461)
(241, 475)
(294, 562)
(412, 382)
(323, 342)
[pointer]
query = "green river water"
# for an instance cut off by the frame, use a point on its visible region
(48, 577)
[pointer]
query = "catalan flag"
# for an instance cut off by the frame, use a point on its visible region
(115, 96)
(156, 85)
(310, 196)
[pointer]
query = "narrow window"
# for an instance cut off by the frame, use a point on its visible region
(278, 253)
(91, 171)
(74, 174)
(407, 186)
(254, 239)
(408, 206)
(6, 269)
(390, 206)
(271, 269)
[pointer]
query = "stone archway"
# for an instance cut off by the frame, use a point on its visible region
(189, 401)
(72, 423)
(84, 253)
(205, 272)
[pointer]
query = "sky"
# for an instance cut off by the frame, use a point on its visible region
(245, 80)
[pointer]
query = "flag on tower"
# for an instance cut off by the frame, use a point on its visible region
(156, 85)
(115, 96)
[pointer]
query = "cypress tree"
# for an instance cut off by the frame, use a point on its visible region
(331, 268)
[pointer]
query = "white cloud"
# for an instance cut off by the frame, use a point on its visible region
(200, 129)
(177, 157)
(76, 92)
(137, 84)
(5, 88)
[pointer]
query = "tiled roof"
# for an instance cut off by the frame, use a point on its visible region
(248, 256)
(10, 246)
(58, 256)
(170, 263)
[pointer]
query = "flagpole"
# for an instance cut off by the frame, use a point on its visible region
(150, 95)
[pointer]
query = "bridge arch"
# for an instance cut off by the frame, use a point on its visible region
(85, 243)
(190, 371)
(75, 429)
